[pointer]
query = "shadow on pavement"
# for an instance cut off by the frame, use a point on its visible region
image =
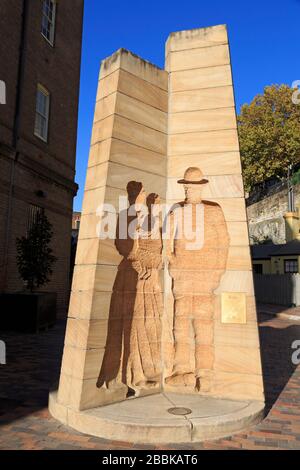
(276, 338)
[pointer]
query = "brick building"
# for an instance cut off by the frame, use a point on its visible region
(40, 53)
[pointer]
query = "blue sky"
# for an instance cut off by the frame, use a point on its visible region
(263, 34)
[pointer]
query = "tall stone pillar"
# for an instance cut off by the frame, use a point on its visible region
(128, 144)
(202, 132)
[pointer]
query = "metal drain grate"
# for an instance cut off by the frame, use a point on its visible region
(179, 411)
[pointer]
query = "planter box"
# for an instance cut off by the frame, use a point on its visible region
(27, 312)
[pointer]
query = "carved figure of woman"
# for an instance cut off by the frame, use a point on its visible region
(133, 347)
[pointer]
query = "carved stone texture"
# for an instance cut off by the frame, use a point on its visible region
(195, 273)
(133, 346)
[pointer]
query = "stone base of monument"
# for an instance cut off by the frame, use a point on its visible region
(162, 418)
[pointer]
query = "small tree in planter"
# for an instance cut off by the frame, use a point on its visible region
(35, 258)
(31, 310)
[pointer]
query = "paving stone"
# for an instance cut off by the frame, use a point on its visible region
(34, 364)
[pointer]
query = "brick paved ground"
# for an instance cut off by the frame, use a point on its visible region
(33, 363)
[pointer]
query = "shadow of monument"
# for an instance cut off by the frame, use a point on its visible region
(276, 355)
(117, 347)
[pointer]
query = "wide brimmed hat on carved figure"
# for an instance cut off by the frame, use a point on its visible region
(193, 175)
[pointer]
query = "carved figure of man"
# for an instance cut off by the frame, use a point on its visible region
(197, 252)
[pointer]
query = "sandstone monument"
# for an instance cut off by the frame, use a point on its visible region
(162, 340)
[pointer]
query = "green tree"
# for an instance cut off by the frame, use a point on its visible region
(34, 255)
(269, 133)
(296, 177)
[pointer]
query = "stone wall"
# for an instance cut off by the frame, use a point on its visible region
(265, 217)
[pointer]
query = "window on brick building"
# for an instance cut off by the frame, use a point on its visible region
(291, 266)
(2, 92)
(42, 113)
(48, 20)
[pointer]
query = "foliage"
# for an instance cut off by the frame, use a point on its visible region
(263, 240)
(34, 255)
(269, 133)
(296, 177)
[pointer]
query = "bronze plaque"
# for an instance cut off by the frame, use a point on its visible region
(234, 307)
